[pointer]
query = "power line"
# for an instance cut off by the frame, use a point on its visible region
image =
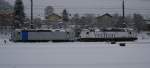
(91, 8)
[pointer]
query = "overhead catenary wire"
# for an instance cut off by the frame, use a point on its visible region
(88, 8)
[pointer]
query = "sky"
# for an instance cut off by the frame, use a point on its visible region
(89, 6)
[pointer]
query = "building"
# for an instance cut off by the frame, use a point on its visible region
(54, 17)
(6, 22)
(53, 21)
(147, 22)
(105, 21)
(6, 19)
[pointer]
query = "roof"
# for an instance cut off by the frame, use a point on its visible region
(55, 15)
(106, 14)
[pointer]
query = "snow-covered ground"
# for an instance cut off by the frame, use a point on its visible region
(75, 54)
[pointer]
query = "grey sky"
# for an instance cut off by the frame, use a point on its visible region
(89, 6)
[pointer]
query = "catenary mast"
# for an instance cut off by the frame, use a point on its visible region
(31, 24)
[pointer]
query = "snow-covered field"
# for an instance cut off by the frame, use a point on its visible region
(75, 54)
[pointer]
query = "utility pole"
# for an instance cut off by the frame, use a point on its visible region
(31, 24)
(123, 11)
(123, 14)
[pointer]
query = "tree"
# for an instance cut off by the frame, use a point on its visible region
(65, 15)
(1, 1)
(49, 10)
(37, 22)
(4, 5)
(75, 19)
(90, 20)
(19, 14)
(138, 22)
(129, 21)
(118, 21)
(115, 20)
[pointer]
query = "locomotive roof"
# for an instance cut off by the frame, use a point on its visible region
(40, 30)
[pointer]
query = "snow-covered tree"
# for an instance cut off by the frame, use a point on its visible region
(75, 19)
(19, 14)
(49, 10)
(139, 22)
(65, 15)
(4, 5)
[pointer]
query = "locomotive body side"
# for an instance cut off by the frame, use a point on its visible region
(94, 36)
(42, 35)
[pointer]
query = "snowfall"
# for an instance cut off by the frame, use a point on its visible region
(75, 54)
